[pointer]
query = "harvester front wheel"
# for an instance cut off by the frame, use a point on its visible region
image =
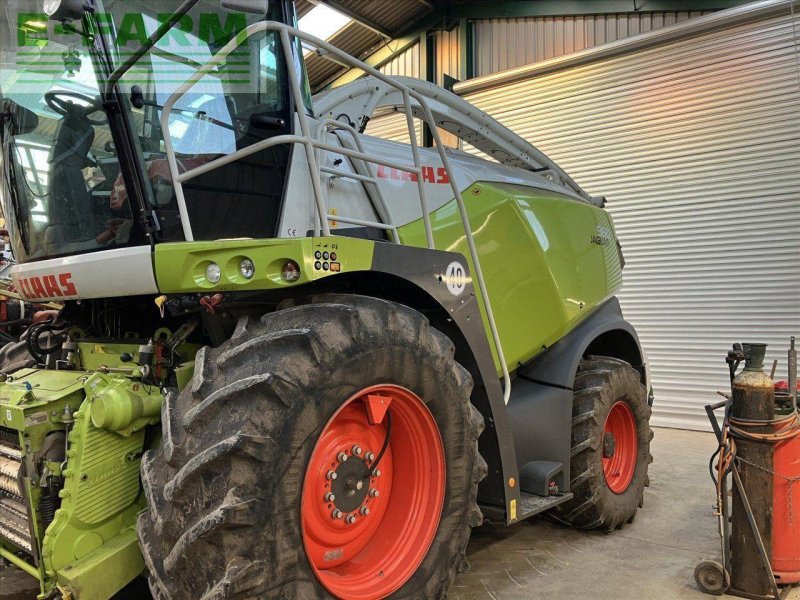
(610, 445)
(328, 449)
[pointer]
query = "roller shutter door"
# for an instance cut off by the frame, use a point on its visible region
(696, 144)
(502, 44)
(393, 125)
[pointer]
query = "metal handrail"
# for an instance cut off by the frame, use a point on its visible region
(311, 145)
(378, 201)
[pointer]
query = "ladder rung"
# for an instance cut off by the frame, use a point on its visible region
(347, 175)
(362, 223)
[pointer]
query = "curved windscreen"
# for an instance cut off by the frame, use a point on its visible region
(243, 100)
(62, 174)
(64, 180)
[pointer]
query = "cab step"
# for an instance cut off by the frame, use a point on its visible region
(528, 506)
(532, 504)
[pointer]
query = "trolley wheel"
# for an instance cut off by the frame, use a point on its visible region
(710, 578)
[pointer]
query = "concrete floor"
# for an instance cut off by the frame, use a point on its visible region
(653, 559)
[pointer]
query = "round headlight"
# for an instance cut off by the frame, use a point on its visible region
(213, 273)
(63, 10)
(290, 271)
(247, 268)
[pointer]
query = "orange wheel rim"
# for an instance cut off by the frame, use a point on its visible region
(365, 534)
(620, 447)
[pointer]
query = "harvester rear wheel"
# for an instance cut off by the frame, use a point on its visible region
(610, 445)
(265, 484)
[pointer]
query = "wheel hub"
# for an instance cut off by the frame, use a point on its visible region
(352, 485)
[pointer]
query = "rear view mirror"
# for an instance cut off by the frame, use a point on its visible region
(22, 119)
(256, 7)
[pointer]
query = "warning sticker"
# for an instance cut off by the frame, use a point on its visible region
(36, 419)
(455, 277)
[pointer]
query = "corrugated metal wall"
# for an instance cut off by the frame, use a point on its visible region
(393, 126)
(447, 61)
(447, 55)
(696, 144)
(502, 44)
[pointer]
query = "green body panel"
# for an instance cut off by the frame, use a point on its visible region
(548, 260)
(109, 568)
(95, 355)
(100, 501)
(180, 267)
(90, 549)
(558, 260)
(34, 404)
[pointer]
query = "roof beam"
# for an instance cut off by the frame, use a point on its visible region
(545, 8)
(360, 19)
(378, 58)
(467, 11)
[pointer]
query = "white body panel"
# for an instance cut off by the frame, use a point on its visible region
(106, 274)
(349, 198)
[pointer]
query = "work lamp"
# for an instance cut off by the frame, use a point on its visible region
(63, 10)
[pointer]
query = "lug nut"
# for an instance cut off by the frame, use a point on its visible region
(369, 456)
(357, 450)
(331, 475)
(377, 472)
(342, 457)
(330, 497)
(373, 493)
(350, 519)
(364, 511)
(336, 514)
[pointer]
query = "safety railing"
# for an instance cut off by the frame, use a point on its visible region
(374, 193)
(312, 144)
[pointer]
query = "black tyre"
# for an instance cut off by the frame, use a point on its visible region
(226, 491)
(610, 445)
(711, 578)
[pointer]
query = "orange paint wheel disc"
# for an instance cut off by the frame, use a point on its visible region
(366, 527)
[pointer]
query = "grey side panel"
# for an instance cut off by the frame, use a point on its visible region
(541, 421)
(425, 268)
(558, 365)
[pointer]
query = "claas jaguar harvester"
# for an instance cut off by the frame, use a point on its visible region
(293, 360)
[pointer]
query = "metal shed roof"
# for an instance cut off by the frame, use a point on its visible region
(374, 23)
(389, 18)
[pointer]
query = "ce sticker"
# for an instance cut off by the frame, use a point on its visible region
(455, 278)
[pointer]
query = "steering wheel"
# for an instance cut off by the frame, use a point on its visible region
(58, 102)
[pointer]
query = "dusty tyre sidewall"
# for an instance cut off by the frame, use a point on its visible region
(317, 356)
(599, 384)
(441, 393)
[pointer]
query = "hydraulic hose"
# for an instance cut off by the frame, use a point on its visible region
(371, 470)
(32, 340)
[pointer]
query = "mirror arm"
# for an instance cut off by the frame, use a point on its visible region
(151, 42)
(256, 7)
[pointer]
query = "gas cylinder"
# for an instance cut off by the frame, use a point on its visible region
(753, 401)
(786, 508)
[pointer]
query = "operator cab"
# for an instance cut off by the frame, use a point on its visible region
(87, 170)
